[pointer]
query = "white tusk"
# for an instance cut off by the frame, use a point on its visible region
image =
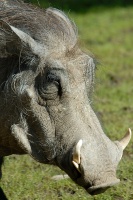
(76, 152)
(76, 165)
(126, 139)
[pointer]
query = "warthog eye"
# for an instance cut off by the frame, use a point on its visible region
(50, 86)
(51, 78)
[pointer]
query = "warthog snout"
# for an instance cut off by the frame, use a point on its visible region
(94, 190)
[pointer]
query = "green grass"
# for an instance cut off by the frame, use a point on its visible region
(108, 34)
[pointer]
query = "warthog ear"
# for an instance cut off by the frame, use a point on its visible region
(126, 139)
(12, 41)
(76, 155)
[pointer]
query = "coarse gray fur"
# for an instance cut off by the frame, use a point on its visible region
(45, 86)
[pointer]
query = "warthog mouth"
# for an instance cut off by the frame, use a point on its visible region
(94, 190)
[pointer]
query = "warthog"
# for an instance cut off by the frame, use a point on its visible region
(45, 86)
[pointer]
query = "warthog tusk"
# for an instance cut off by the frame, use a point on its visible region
(76, 155)
(126, 139)
(77, 166)
(76, 152)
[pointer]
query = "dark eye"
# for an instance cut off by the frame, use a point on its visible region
(52, 78)
(50, 86)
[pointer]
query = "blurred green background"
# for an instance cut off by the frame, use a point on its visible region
(105, 30)
(80, 5)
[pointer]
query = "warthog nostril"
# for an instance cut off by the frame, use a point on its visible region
(94, 190)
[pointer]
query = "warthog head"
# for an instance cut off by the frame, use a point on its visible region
(46, 81)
